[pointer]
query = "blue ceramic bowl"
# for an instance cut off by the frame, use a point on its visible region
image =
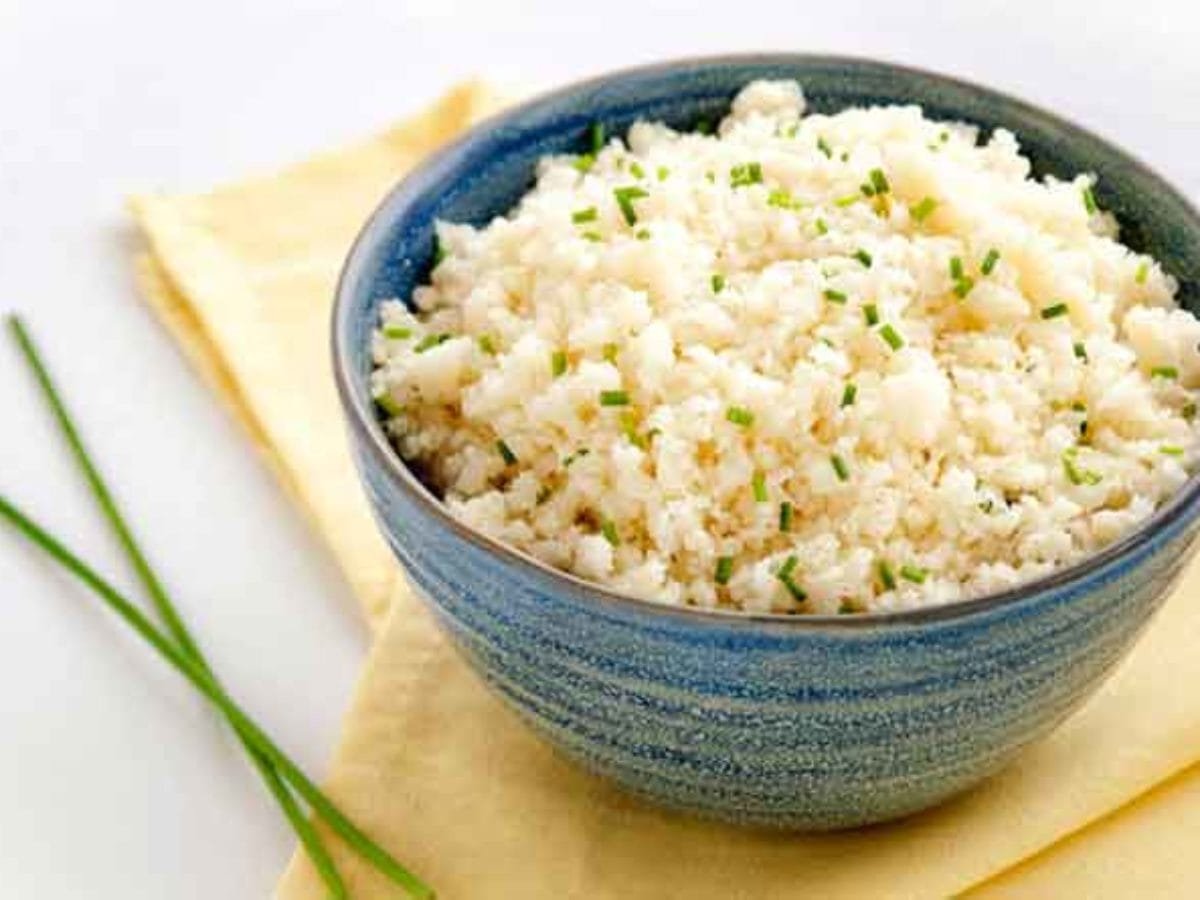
(817, 722)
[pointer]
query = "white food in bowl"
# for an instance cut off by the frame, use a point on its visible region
(955, 375)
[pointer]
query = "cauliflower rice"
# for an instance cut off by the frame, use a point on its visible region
(809, 363)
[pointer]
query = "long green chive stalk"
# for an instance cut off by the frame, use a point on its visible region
(268, 760)
(308, 836)
(206, 685)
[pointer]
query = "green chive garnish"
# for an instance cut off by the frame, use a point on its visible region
(625, 197)
(758, 486)
(786, 511)
(430, 341)
(785, 576)
(439, 252)
(956, 267)
(662, 173)
(608, 528)
(848, 200)
(915, 574)
(1074, 473)
(486, 344)
(594, 236)
(879, 181)
(506, 453)
(885, 575)
(866, 190)
(788, 567)
(824, 147)
(835, 296)
(609, 352)
(584, 162)
(892, 336)
(558, 363)
(396, 332)
(1089, 201)
(584, 215)
(863, 257)
(740, 416)
(1168, 372)
(871, 314)
(1170, 450)
(923, 210)
(642, 234)
(636, 170)
(1143, 271)
(577, 455)
(1189, 411)
(821, 227)
(596, 132)
(1081, 351)
(840, 467)
(781, 199)
(614, 398)
(989, 261)
(385, 402)
(704, 126)
(717, 282)
(849, 392)
(963, 286)
(724, 570)
(1053, 312)
(745, 174)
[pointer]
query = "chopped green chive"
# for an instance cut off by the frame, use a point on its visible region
(871, 314)
(608, 528)
(740, 416)
(964, 286)
(614, 398)
(879, 181)
(758, 486)
(786, 511)
(596, 132)
(840, 467)
(396, 332)
(577, 455)
(388, 405)
(892, 336)
(745, 174)
(704, 126)
(863, 257)
(785, 577)
(885, 574)
(1143, 271)
(506, 453)
(1168, 372)
(848, 200)
(944, 136)
(1055, 311)
(849, 393)
(584, 162)
(847, 608)
(609, 352)
(781, 199)
(636, 170)
(788, 567)
(724, 570)
(625, 197)
(824, 147)
(642, 234)
(792, 130)
(1089, 201)
(821, 227)
(834, 296)
(439, 252)
(710, 177)
(1189, 411)
(717, 282)
(1074, 473)
(486, 344)
(594, 236)
(558, 363)
(956, 267)
(866, 190)
(915, 574)
(923, 210)
(662, 173)
(584, 215)
(1170, 450)
(629, 425)
(989, 261)
(430, 341)
(1081, 351)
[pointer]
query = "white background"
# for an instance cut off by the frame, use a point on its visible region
(114, 781)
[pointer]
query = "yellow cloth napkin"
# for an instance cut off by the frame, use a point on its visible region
(437, 770)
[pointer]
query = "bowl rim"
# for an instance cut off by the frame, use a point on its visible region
(1165, 522)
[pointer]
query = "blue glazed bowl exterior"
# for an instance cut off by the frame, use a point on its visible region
(816, 723)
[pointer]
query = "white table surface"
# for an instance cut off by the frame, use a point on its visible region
(115, 782)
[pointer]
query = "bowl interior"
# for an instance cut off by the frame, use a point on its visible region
(484, 174)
